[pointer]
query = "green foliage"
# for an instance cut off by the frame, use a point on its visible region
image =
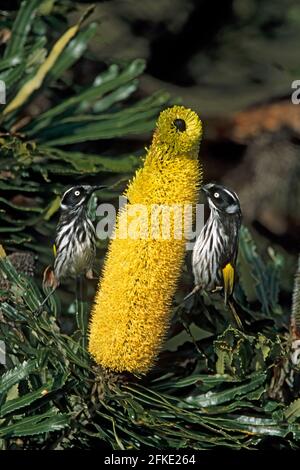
(265, 287)
(238, 353)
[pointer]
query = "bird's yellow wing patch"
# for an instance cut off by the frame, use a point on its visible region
(54, 250)
(228, 279)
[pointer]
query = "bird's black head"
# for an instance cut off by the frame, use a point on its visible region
(77, 196)
(221, 199)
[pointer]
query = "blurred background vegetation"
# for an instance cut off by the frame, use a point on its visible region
(82, 111)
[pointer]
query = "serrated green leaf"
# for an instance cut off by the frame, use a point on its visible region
(90, 163)
(199, 380)
(255, 425)
(24, 286)
(91, 94)
(217, 398)
(13, 405)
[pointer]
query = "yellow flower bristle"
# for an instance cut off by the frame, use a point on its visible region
(131, 313)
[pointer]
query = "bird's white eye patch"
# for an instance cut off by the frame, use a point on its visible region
(216, 195)
(77, 193)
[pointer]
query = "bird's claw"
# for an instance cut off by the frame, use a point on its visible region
(217, 289)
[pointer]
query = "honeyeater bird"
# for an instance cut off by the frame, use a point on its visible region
(75, 240)
(215, 250)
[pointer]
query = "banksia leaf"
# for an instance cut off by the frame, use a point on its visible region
(295, 318)
(132, 307)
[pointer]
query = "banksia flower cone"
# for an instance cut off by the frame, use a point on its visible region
(131, 313)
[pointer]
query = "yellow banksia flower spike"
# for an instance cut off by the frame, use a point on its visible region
(131, 314)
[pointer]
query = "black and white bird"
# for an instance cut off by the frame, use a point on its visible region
(75, 240)
(215, 250)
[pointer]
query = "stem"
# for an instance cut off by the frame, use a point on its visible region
(81, 310)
